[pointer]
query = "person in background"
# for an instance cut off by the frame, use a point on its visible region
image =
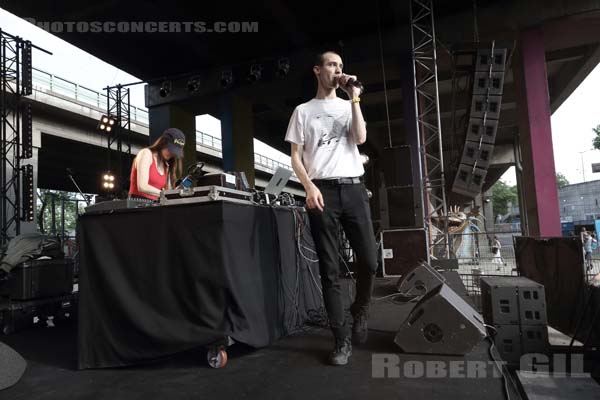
(155, 168)
(588, 243)
(497, 256)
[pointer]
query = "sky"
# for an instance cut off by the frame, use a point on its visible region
(572, 123)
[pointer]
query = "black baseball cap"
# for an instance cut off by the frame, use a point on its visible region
(175, 141)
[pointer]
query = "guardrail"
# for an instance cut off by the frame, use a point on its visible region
(64, 87)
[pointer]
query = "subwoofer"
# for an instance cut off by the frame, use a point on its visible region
(441, 323)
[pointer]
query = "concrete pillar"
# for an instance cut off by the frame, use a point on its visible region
(172, 116)
(237, 135)
(535, 136)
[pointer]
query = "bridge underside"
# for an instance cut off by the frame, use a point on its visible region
(553, 38)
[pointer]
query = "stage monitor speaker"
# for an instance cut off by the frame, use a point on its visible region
(477, 154)
(12, 366)
(469, 180)
(397, 167)
(441, 323)
(484, 131)
(420, 281)
(402, 250)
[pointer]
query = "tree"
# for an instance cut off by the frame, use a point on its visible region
(596, 141)
(561, 180)
(502, 194)
(49, 198)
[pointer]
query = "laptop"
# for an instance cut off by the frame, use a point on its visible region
(278, 181)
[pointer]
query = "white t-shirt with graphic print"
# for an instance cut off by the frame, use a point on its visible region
(322, 126)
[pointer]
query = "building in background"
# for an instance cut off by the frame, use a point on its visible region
(579, 206)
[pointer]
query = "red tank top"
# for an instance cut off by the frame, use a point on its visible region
(154, 179)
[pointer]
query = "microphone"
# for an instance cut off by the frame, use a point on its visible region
(69, 171)
(356, 84)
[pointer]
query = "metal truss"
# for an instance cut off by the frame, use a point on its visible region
(118, 106)
(13, 52)
(429, 127)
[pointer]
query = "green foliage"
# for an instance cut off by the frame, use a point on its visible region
(561, 180)
(49, 199)
(596, 141)
(502, 194)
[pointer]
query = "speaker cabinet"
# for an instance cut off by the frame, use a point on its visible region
(397, 167)
(402, 250)
(469, 180)
(441, 323)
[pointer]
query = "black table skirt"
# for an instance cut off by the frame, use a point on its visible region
(157, 281)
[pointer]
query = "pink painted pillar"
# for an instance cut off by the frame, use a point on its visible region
(535, 137)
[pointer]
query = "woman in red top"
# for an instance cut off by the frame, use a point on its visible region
(155, 168)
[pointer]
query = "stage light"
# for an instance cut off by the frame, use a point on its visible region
(165, 89)
(108, 181)
(226, 79)
(283, 67)
(255, 73)
(106, 123)
(193, 84)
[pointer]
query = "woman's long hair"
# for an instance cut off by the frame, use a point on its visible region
(174, 165)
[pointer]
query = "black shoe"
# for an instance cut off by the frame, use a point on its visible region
(341, 352)
(360, 329)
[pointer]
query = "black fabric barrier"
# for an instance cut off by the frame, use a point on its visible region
(157, 281)
(556, 263)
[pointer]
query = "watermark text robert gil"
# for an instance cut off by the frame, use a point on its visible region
(146, 26)
(390, 366)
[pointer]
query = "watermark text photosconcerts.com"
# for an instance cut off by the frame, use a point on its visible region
(146, 26)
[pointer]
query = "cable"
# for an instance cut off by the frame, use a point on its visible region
(387, 109)
(496, 362)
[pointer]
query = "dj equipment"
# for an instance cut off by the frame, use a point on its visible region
(204, 194)
(111, 205)
(39, 278)
(12, 366)
(218, 179)
(441, 323)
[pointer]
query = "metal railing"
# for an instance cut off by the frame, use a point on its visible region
(82, 94)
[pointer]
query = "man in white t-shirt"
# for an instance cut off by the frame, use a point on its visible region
(324, 134)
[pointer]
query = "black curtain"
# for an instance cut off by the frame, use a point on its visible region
(160, 280)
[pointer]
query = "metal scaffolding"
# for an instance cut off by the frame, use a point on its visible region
(118, 106)
(429, 127)
(15, 83)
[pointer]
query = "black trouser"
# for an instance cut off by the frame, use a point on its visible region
(347, 204)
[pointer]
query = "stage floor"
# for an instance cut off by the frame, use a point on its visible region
(293, 368)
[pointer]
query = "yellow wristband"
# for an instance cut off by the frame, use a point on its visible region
(356, 99)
